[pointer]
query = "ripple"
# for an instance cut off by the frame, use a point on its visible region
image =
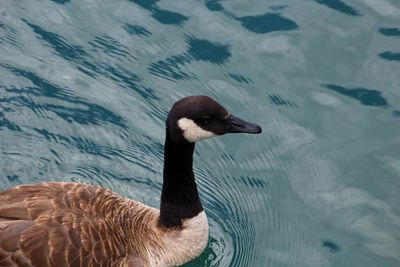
(86, 87)
(132, 154)
(390, 56)
(88, 65)
(213, 255)
(171, 69)
(396, 114)
(60, 1)
(199, 49)
(240, 78)
(111, 47)
(340, 6)
(5, 123)
(95, 175)
(19, 164)
(163, 16)
(268, 22)
(169, 17)
(214, 5)
(204, 50)
(279, 101)
(83, 112)
(251, 182)
(7, 34)
(117, 182)
(393, 32)
(62, 47)
(222, 203)
(330, 245)
(366, 97)
(128, 80)
(383, 7)
(146, 4)
(136, 30)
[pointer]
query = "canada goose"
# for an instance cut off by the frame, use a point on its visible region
(73, 224)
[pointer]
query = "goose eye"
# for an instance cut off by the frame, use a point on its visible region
(204, 120)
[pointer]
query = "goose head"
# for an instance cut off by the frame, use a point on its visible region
(195, 118)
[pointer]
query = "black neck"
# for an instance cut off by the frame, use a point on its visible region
(179, 198)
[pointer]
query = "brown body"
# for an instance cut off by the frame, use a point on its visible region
(70, 224)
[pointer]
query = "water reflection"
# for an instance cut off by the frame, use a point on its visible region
(86, 88)
(61, 46)
(240, 78)
(205, 50)
(111, 47)
(214, 5)
(252, 182)
(390, 31)
(83, 112)
(4, 122)
(331, 246)
(279, 101)
(168, 17)
(390, 56)
(172, 68)
(163, 16)
(7, 34)
(136, 30)
(60, 1)
(88, 64)
(396, 113)
(268, 22)
(366, 97)
(340, 6)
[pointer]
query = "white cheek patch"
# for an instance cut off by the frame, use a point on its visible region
(192, 132)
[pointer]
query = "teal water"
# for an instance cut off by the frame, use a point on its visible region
(85, 87)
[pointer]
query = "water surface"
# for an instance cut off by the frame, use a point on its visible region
(86, 86)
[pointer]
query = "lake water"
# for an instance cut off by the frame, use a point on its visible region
(85, 87)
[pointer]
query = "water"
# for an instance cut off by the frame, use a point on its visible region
(86, 86)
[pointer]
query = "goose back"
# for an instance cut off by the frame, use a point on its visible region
(70, 224)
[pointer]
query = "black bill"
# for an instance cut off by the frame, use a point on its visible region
(237, 125)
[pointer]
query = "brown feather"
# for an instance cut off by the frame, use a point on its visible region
(70, 224)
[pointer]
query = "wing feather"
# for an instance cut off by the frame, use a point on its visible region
(68, 225)
(32, 229)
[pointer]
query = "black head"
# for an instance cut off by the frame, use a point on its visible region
(194, 118)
